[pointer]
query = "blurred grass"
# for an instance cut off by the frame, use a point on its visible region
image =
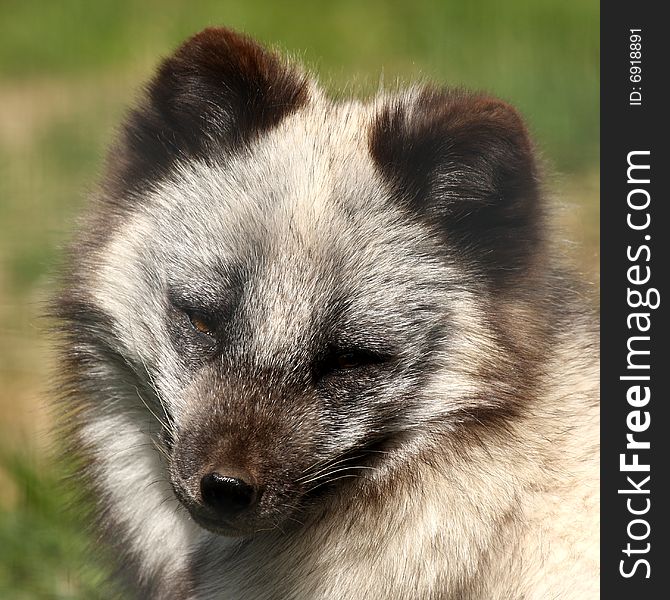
(45, 550)
(543, 56)
(69, 68)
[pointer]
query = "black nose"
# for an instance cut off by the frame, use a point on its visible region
(227, 495)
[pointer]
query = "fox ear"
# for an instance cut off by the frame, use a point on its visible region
(464, 163)
(217, 91)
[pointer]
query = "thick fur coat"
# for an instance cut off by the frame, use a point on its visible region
(321, 350)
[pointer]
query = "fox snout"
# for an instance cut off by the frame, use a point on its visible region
(239, 452)
(223, 485)
(229, 492)
(222, 478)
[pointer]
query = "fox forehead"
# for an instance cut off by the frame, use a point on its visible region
(294, 181)
(305, 193)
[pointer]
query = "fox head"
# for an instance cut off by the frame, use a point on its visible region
(297, 290)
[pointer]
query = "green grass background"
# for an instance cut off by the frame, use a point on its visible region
(68, 69)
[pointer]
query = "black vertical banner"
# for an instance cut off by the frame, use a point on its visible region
(635, 259)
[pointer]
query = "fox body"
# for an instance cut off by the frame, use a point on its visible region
(321, 350)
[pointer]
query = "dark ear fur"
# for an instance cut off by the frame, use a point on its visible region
(218, 90)
(464, 163)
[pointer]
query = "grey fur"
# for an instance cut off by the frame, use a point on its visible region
(457, 461)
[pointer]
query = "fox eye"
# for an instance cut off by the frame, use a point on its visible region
(350, 360)
(201, 323)
(353, 359)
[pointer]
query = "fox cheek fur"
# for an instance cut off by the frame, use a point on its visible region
(334, 333)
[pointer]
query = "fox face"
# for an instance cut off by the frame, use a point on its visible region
(298, 290)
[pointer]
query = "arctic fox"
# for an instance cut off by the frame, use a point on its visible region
(320, 349)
